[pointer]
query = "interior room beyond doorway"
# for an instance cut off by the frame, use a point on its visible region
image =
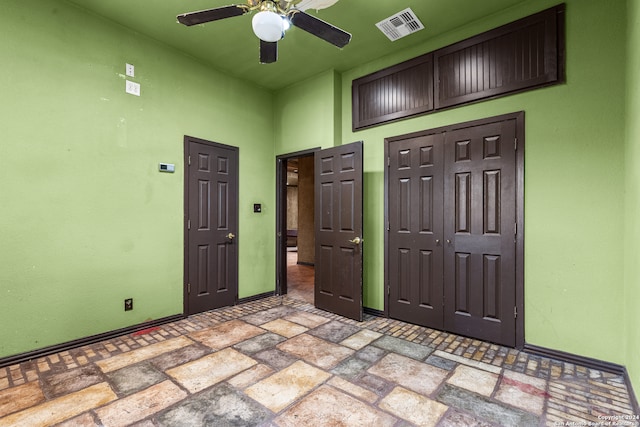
(300, 238)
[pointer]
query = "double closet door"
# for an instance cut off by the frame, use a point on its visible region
(451, 244)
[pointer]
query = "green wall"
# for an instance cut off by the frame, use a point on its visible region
(308, 114)
(632, 190)
(86, 219)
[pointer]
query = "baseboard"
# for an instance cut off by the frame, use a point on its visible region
(256, 297)
(373, 312)
(588, 362)
(47, 351)
(632, 394)
(600, 365)
(310, 264)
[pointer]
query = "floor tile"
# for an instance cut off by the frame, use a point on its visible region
(144, 353)
(413, 407)
(330, 407)
(416, 376)
(316, 351)
(334, 331)
(209, 370)
(84, 420)
(55, 385)
(406, 348)
(454, 418)
(19, 398)
(283, 388)
(370, 354)
(468, 362)
(284, 328)
(439, 362)
(180, 356)
(259, 343)
(481, 382)
(61, 409)
(484, 408)
(134, 378)
(353, 389)
(250, 376)
(220, 406)
(265, 316)
(351, 368)
(303, 318)
(522, 391)
(275, 358)
(361, 339)
(140, 405)
(226, 334)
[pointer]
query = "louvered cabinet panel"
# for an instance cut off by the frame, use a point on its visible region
(398, 92)
(515, 57)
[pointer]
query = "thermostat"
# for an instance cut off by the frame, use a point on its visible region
(167, 167)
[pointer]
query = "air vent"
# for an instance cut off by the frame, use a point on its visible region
(400, 25)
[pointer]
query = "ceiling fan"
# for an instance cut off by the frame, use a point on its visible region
(271, 22)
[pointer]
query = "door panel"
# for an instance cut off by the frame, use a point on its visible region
(415, 230)
(479, 227)
(451, 241)
(211, 263)
(338, 205)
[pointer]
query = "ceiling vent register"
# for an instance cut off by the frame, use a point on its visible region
(400, 25)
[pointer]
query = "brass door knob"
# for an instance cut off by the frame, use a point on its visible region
(230, 236)
(356, 241)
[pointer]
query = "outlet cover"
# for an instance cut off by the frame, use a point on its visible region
(130, 70)
(133, 88)
(128, 304)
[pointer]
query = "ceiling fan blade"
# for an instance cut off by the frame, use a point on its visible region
(204, 16)
(319, 28)
(268, 52)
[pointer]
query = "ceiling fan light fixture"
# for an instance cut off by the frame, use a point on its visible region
(268, 26)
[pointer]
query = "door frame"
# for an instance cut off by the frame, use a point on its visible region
(281, 216)
(519, 238)
(185, 291)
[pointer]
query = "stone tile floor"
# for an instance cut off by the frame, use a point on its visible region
(282, 362)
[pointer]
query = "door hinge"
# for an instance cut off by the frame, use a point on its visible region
(515, 229)
(388, 161)
(189, 160)
(388, 226)
(388, 290)
(515, 144)
(515, 312)
(188, 224)
(188, 288)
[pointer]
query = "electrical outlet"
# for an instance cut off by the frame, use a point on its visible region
(133, 88)
(128, 304)
(130, 70)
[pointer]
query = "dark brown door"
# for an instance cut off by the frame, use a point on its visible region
(415, 229)
(480, 230)
(338, 224)
(451, 244)
(211, 194)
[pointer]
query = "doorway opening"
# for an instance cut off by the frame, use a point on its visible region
(296, 226)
